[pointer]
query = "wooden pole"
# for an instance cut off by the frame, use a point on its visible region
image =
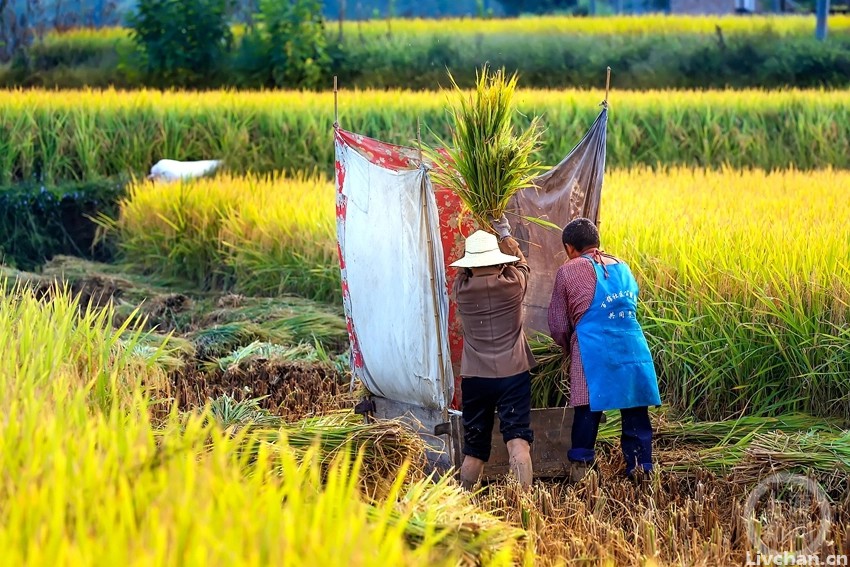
(822, 15)
(336, 105)
(419, 137)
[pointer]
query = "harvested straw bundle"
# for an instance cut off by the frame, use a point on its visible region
(549, 380)
(383, 446)
(486, 163)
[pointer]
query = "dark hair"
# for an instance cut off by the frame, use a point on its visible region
(581, 234)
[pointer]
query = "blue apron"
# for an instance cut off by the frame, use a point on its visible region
(616, 358)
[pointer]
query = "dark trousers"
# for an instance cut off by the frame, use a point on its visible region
(635, 439)
(511, 396)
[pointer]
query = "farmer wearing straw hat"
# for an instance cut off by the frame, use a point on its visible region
(593, 317)
(496, 359)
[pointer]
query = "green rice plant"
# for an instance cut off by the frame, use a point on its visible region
(278, 241)
(485, 164)
(179, 238)
(85, 341)
(260, 235)
(737, 322)
(227, 412)
(549, 379)
(115, 134)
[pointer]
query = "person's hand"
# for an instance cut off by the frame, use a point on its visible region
(501, 226)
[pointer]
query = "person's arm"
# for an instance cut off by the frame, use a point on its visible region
(560, 327)
(460, 279)
(510, 246)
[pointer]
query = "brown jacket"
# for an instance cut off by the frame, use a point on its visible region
(490, 309)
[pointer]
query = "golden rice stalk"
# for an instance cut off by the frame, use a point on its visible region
(486, 163)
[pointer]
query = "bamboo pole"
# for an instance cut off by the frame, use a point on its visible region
(434, 291)
(419, 138)
(605, 105)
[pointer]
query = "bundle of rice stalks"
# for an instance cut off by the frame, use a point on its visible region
(550, 385)
(486, 164)
(820, 453)
(153, 355)
(751, 447)
(302, 319)
(441, 508)
(385, 446)
(171, 353)
(312, 325)
(713, 433)
(228, 412)
(262, 351)
(671, 432)
(222, 340)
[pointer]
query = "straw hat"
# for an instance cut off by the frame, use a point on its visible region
(482, 249)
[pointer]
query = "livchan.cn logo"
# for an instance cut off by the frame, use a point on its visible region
(788, 518)
(791, 558)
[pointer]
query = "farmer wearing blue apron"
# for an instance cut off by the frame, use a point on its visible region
(593, 317)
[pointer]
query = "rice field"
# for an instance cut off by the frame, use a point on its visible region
(621, 25)
(537, 25)
(260, 235)
(189, 404)
(90, 477)
(100, 467)
(85, 135)
(744, 274)
(115, 473)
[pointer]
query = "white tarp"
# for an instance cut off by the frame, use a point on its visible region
(391, 260)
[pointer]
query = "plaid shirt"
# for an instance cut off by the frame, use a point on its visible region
(572, 296)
